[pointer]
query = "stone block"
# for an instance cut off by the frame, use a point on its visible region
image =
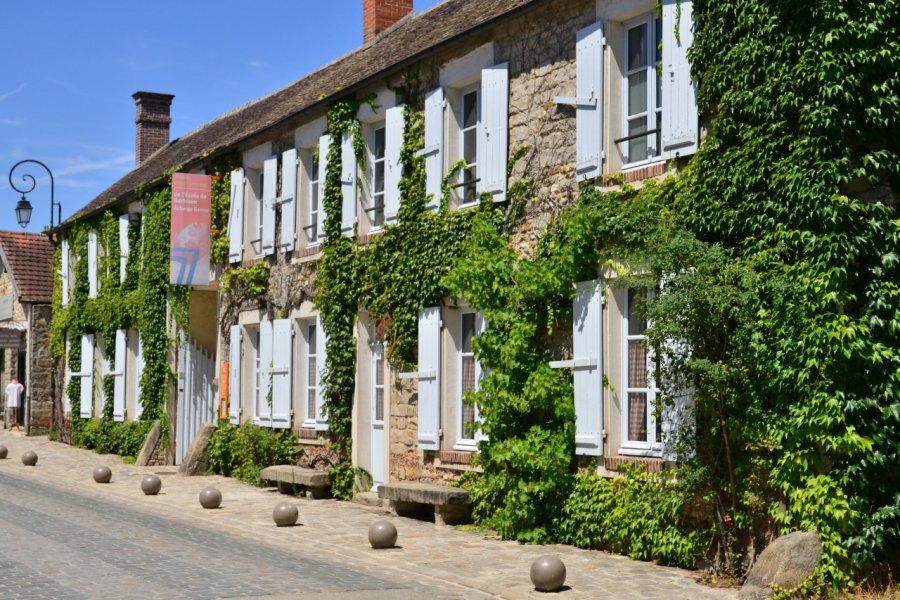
(787, 562)
(150, 445)
(290, 479)
(196, 459)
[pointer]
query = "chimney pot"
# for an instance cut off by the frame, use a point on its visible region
(380, 15)
(152, 123)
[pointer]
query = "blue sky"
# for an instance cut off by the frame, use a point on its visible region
(69, 69)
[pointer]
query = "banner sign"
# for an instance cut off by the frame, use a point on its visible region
(189, 242)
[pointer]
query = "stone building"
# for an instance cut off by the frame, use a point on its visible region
(598, 90)
(26, 289)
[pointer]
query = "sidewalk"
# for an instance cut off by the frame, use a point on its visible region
(464, 562)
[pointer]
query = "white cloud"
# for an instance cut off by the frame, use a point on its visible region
(13, 93)
(257, 64)
(88, 166)
(13, 122)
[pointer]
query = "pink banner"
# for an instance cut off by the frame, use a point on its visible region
(189, 254)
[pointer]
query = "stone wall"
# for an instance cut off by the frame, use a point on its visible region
(41, 365)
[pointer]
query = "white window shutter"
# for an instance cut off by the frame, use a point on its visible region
(119, 375)
(589, 45)
(480, 372)
(393, 142)
(123, 246)
(493, 138)
(67, 403)
(587, 345)
(64, 273)
(234, 376)
(265, 364)
(321, 355)
(236, 217)
(282, 357)
(430, 379)
(324, 143)
(87, 376)
(270, 186)
(348, 185)
(92, 263)
(679, 93)
(138, 373)
(288, 200)
(434, 146)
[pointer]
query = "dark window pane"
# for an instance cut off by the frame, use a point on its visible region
(312, 339)
(636, 323)
(379, 177)
(468, 331)
(637, 417)
(637, 148)
(379, 143)
(470, 109)
(637, 364)
(470, 146)
(637, 42)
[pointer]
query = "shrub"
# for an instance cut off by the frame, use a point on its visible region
(242, 452)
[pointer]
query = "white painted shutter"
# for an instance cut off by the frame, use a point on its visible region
(324, 143)
(282, 357)
(92, 263)
(493, 139)
(480, 372)
(236, 217)
(587, 344)
(430, 379)
(288, 200)
(138, 373)
(234, 376)
(123, 246)
(348, 185)
(270, 187)
(321, 355)
(64, 273)
(265, 364)
(67, 404)
(434, 146)
(393, 142)
(87, 376)
(679, 93)
(589, 101)
(119, 375)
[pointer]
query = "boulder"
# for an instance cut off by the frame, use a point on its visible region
(150, 444)
(196, 459)
(787, 562)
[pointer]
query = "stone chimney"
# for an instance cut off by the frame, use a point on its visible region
(152, 121)
(379, 15)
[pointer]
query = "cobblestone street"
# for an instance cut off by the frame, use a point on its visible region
(64, 536)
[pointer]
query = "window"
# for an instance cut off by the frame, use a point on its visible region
(639, 421)
(469, 120)
(260, 211)
(258, 374)
(312, 214)
(378, 382)
(469, 376)
(643, 90)
(311, 386)
(379, 147)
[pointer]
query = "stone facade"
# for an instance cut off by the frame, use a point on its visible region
(41, 366)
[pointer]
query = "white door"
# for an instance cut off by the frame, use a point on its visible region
(196, 369)
(378, 398)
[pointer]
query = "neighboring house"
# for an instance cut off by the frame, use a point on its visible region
(26, 290)
(599, 90)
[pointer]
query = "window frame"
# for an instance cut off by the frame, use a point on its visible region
(462, 443)
(461, 184)
(309, 421)
(653, 111)
(652, 447)
(255, 381)
(311, 229)
(373, 209)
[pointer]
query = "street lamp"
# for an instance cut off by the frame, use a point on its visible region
(23, 207)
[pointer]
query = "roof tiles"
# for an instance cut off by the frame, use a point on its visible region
(29, 258)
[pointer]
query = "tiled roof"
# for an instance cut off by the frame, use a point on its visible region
(29, 258)
(398, 46)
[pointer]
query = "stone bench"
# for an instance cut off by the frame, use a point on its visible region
(451, 505)
(290, 480)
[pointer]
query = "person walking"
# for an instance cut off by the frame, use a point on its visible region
(13, 399)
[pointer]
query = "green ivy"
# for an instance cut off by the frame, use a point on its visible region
(242, 452)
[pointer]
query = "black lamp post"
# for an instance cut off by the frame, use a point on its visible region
(23, 207)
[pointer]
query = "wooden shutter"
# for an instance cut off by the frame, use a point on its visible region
(430, 379)
(587, 337)
(679, 94)
(288, 200)
(493, 138)
(270, 187)
(138, 373)
(324, 143)
(87, 376)
(434, 146)
(589, 101)
(123, 246)
(234, 376)
(64, 273)
(321, 356)
(393, 170)
(282, 357)
(92, 263)
(265, 364)
(236, 217)
(119, 375)
(348, 185)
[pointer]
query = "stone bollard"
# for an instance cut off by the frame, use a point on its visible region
(150, 485)
(284, 514)
(3, 452)
(102, 474)
(210, 498)
(29, 459)
(548, 573)
(382, 534)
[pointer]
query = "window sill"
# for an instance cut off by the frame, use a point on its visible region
(641, 450)
(466, 446)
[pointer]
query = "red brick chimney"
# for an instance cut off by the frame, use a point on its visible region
(379, 15)
(152, 123)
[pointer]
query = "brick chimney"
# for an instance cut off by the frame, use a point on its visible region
(379, 15)
(152, 121)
